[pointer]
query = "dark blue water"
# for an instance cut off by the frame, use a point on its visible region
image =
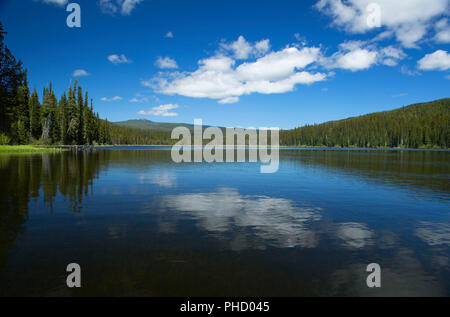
(139, 224)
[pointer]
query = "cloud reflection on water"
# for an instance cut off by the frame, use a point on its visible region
(354, 235)
(274, 221)
(434, 233)
(163, 179)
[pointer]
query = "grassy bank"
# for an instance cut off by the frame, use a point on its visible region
(28, 149)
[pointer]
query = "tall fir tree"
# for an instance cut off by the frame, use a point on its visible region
(11, 78)
(64, 119)
(35, 116)
(56, 131)
(80, 116)
(86, 120)
(72, 131)
(49, 128)
(23, 113)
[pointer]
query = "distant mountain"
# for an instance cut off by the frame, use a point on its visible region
(424, 125)
(145, 124)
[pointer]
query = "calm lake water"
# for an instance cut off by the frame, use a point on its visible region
(140, 225)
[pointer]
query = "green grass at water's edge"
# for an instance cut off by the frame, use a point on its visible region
(28, 149)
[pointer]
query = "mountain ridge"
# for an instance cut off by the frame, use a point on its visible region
(145, 124)
(168, 126)
(420, 125)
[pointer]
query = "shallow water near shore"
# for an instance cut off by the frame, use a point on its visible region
(140, 225)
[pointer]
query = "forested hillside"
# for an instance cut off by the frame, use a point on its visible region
(152, 125)
(137, 136)
(424, 125)
(415, 126)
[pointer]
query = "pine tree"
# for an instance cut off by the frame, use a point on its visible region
(54, 114)
(24, 119)
(80, 117)
(35, 116)
(23, 113)
(64, 119)
(71, 115)
(49, 128)
(11, 78)
(86, 120)
(97, 135)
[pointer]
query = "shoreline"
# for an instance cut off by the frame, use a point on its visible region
(289, 147)
(38, 149)
(29, 149)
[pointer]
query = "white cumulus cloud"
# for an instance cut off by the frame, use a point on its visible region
(80, 73)
(242, 49)
(241, 68)
(390, 55)
(442, 31)
(118, 59)
(408, 20)
(116, 98)
(162, 110)
(439, 60)
(128, 6)
(219, 77)
(123, 6)
(357, 60)
(139, 100)
(166, 62)
(359, 55)
(57, 2)
(228, 100)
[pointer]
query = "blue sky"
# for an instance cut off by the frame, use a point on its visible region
(237, 63)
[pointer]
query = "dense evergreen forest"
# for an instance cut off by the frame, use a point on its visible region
(69, 120)
(137, 136)
(24, 119)
(424, 125)
(27, 118)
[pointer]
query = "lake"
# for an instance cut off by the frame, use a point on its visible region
(140, 225)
